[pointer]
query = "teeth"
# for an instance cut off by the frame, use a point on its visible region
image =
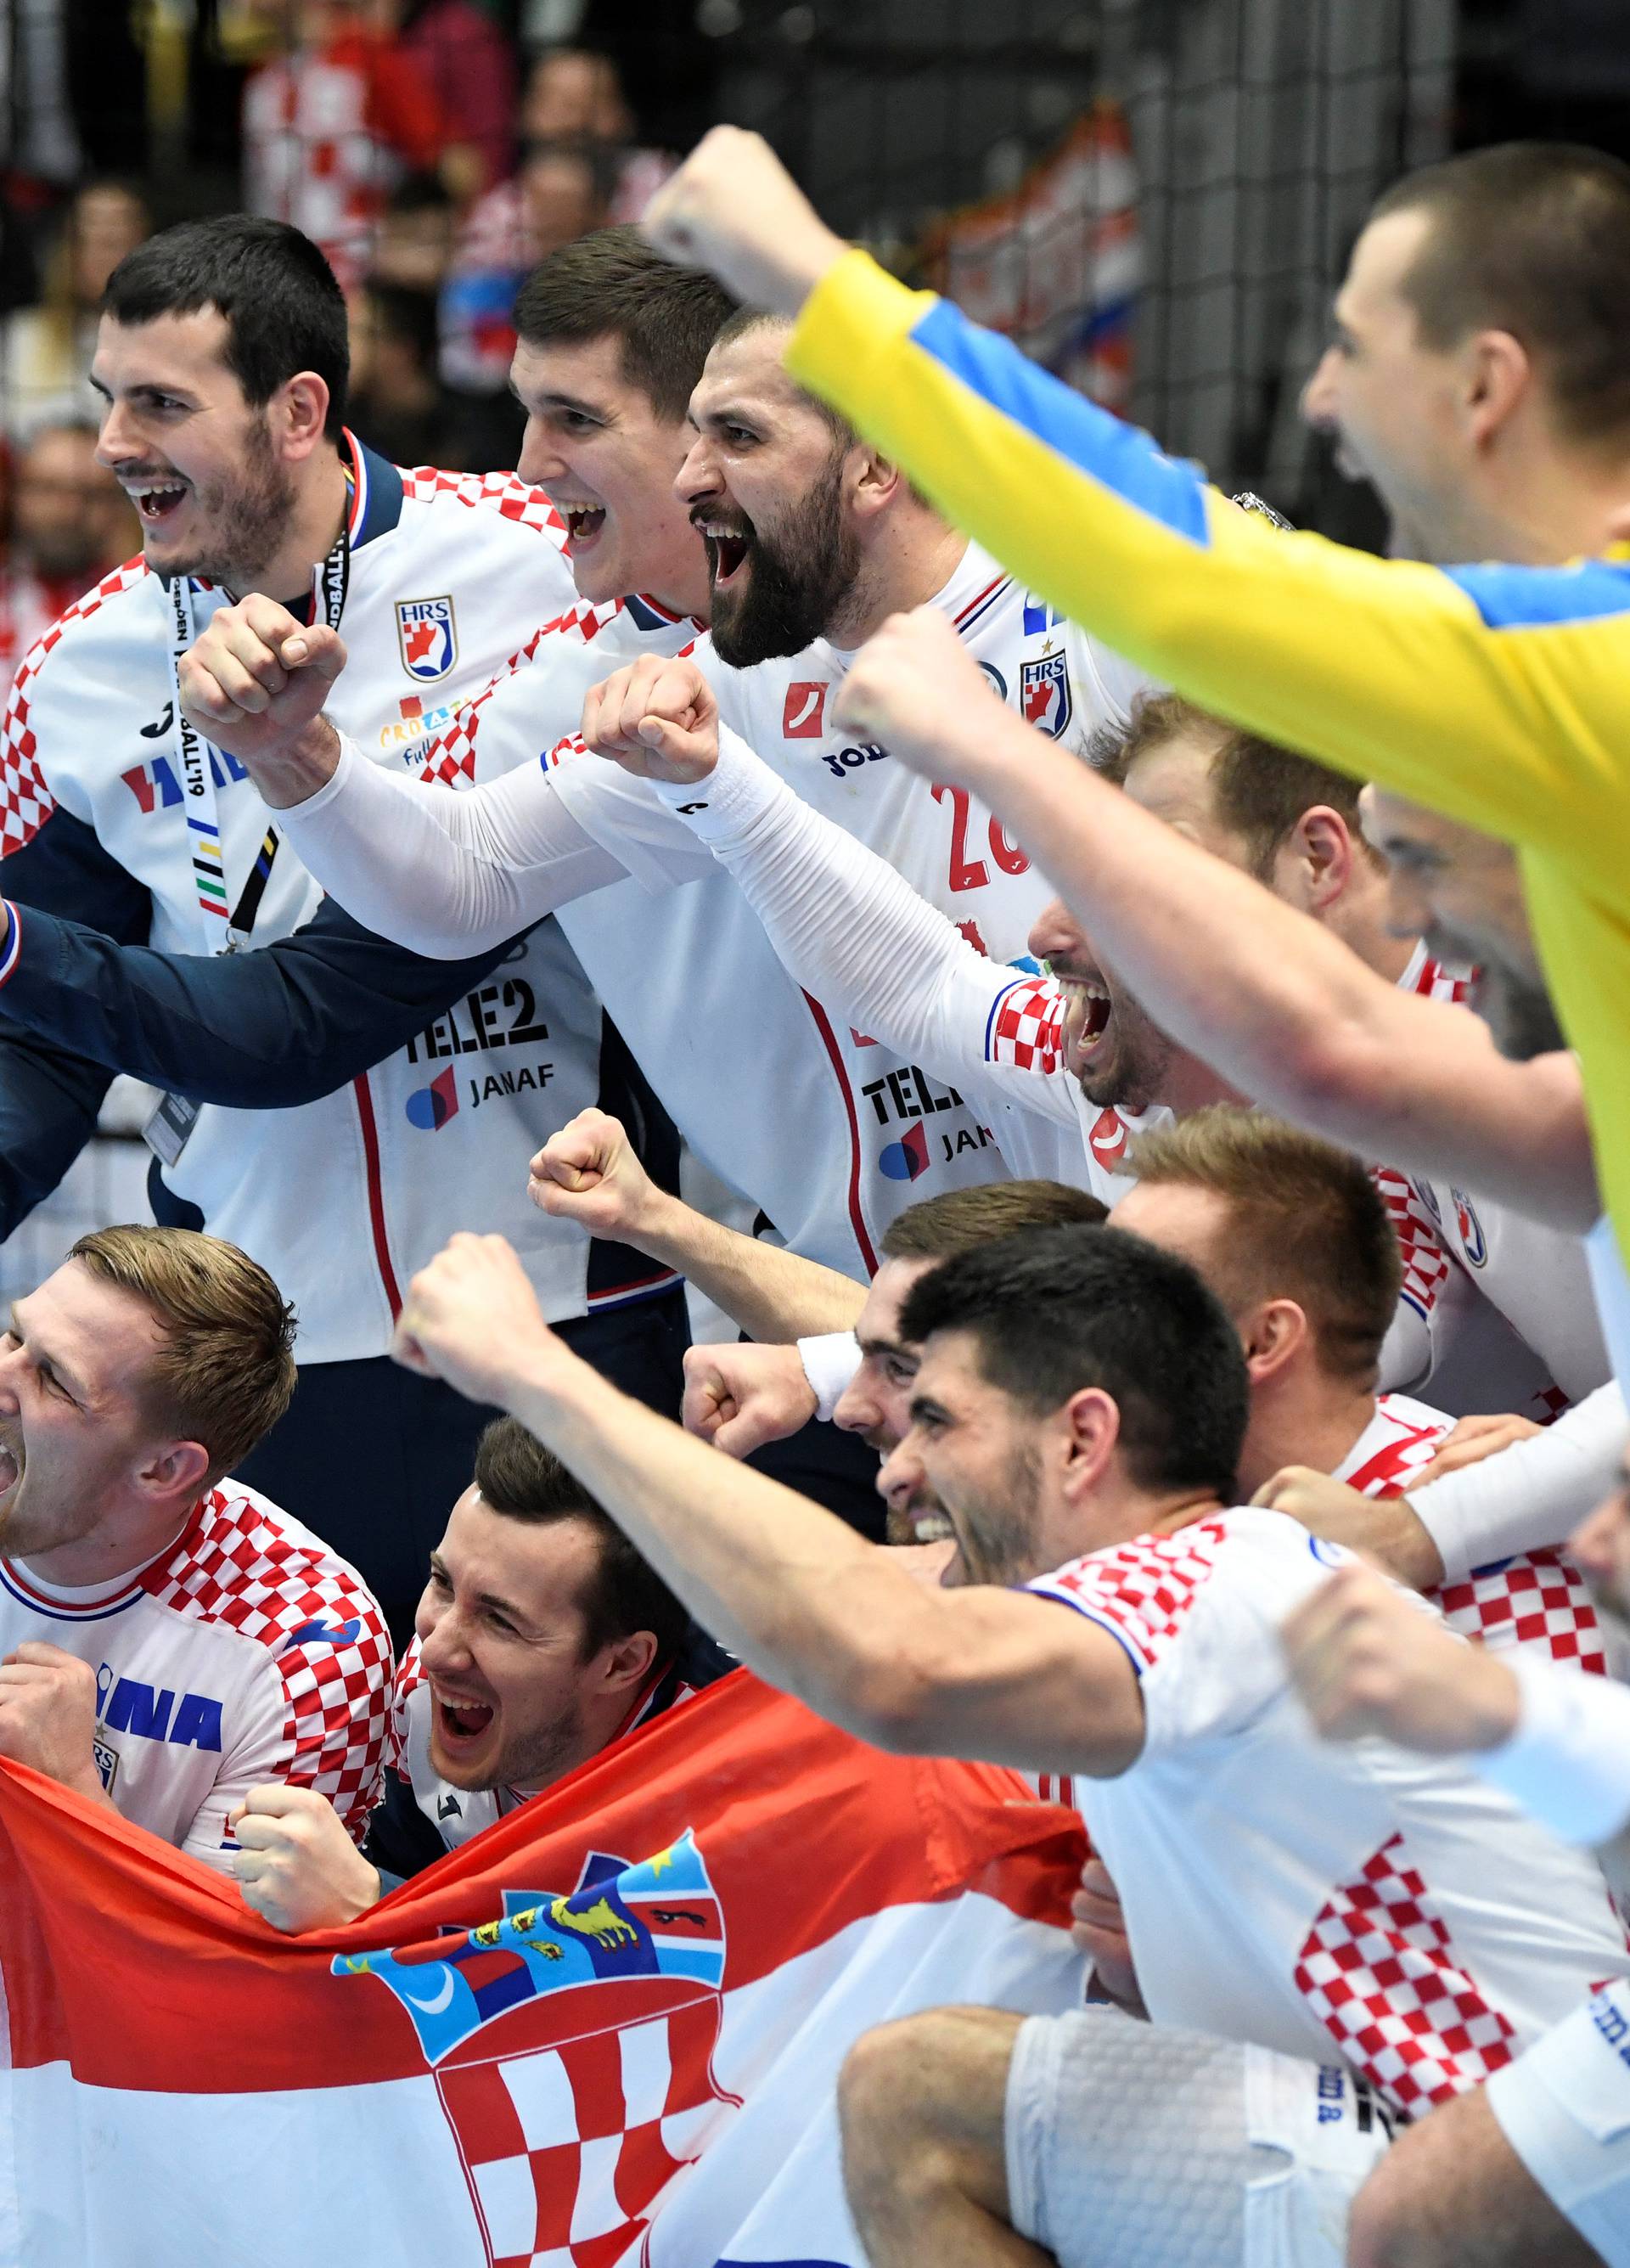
(10, 1469)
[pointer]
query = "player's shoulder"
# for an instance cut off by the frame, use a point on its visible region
(558, 661)
(127, 597)
(246, 1566)
(501, 497)
(1149, 1588)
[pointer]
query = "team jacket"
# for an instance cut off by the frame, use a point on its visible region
(247, 1651)
(1494, 693)
(342, 1197)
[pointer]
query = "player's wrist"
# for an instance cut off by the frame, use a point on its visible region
(1492, 1700)
(1407, 1548)
(292, 771)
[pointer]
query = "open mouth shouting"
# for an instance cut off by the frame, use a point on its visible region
(1087, 1013)
(10, 1468)
(727, 543)
(462, 1723)
(157, 498)
(583, 525)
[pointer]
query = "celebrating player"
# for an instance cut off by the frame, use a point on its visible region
(172, 1638)
(541, 1637)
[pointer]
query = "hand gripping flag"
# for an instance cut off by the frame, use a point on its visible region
(605, 2034)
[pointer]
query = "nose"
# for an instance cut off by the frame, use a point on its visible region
(858, 1408)
(1055, 933)
(11, 1366)
(540, 459)
(439, 1629)
(1320, 396)
(116, 443)
(699, 476)
(901, 1478)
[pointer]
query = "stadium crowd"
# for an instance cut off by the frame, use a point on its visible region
(1117, 1002)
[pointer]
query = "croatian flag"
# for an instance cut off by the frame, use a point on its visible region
(605, 2034)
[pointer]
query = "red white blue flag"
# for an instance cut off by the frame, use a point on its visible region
(605, 2034)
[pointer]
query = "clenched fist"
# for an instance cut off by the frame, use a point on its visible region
(254, 682)
(657, 719)
(733, 207)
(914, 688)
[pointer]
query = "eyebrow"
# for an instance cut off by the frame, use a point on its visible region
(924, 1405)
(438, 1567)
(553, 400)
(79, 1391)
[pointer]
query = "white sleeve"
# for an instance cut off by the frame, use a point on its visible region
(859, 938)
(1531, 1496)
(445, 872)
(1568, 1762)
(830, 1360)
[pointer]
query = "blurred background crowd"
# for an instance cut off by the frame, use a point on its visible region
(1155, 196)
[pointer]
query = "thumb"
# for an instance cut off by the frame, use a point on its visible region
(692, 750)
(317, 648)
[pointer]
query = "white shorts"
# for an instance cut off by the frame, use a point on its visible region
(1128, 2142)
(1564, 2107)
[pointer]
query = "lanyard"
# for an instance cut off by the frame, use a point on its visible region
(225, 926)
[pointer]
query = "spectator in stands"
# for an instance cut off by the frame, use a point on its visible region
(171, 1639)
(542, 1637)
(414, 244)
(577, 94)
(48, 348)
(399, 405)
(560, 192)
(461, 50)
(71, 524)
(331, 124)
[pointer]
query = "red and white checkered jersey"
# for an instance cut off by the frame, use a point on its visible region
(1537, 1601)
(1307, 1894)
(246, 1652)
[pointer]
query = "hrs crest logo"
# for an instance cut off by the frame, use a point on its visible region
(427, 636)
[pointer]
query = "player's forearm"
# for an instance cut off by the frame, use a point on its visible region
(773, 1295)
(779, 1582)
(844, 925)
(1384, 667)
(447, 874)
(1565, 1754)
(1286, 1011)
(1531, 1496)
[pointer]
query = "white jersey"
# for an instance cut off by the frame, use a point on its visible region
(344, 1198)
(1533, 1602)
(1307, 1895)
(1513, 1325)
(246, 1652)
(737, 1051)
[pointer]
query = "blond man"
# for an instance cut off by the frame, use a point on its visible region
(171, 1640)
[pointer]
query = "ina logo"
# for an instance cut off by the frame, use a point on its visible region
(903, 1161)
(429, 1107)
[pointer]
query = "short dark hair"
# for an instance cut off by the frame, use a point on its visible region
(609, 284)
(1052, 1310)
(747, 320)
(960, 1220)
(1305, 1221)
(519, 1479)
(284, 309)
(1532, 238)
(1260, 790)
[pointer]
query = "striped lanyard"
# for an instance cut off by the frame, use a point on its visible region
(227, 926)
